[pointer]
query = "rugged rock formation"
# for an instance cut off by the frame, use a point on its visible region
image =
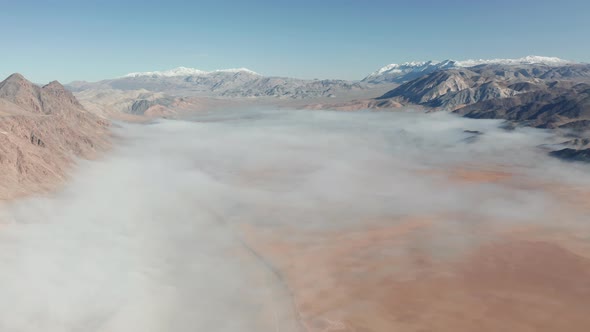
(42, 129)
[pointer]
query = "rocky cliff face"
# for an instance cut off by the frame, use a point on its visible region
(42, 130)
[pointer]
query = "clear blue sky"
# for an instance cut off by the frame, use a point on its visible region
(97, 39)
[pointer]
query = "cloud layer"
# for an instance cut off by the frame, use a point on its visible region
(149, 238)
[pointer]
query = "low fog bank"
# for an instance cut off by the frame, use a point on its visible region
(148, 238)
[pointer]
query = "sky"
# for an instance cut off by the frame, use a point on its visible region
(69, 40)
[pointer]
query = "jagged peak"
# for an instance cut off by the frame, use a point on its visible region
(16, 77)
(53, 85)
(14, 83)
(52, 98)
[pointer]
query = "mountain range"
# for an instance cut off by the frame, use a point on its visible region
(545, 92)
(535, 94)
(401, 73)
(539, 91)
(160, 93)
(221, 83)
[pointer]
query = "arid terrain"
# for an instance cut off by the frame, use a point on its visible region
(378, 276)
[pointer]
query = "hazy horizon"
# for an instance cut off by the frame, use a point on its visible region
(306, 39)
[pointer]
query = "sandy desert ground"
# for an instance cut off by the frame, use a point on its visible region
(306, 221)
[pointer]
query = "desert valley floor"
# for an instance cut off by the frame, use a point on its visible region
(264, 220)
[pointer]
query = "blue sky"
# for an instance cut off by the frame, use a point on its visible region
(97, 39)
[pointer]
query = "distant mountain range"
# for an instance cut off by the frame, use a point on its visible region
(221, 83)
(400, 73)
(185, 72)
(163, 93)
(245, 83)
(545, 92)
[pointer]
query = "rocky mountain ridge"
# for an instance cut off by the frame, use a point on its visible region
(454, 88)
(42, 130)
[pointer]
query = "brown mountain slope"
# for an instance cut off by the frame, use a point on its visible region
(42, 130)
(550, 107)
(455, 88)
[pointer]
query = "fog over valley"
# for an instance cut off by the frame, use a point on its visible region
(268, 220)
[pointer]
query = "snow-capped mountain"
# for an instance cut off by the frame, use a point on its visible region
(407, 71)
(528, 60)
(399, 73)
(523, 85)
(185, 72)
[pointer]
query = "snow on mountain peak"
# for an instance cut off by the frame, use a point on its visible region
(409, 70)
(527, 60)
(184, 72)
(405, 65)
